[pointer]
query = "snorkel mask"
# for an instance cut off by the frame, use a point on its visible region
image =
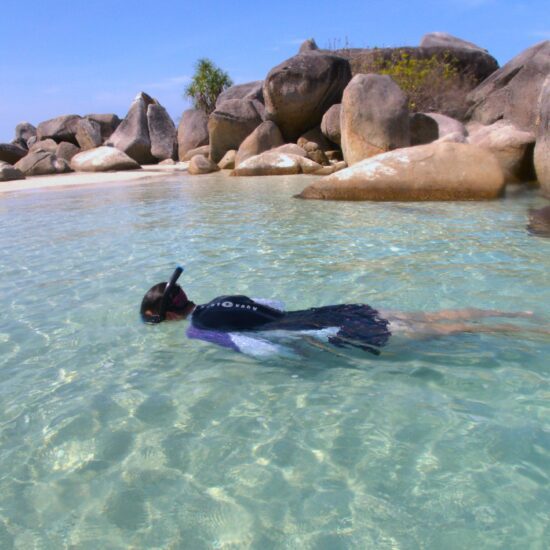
(176, 300)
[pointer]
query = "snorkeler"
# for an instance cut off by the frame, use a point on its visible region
(230, 321)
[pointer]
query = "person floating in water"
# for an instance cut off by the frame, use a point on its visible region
(236, 321)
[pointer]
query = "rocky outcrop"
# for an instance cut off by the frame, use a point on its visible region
(192, 131)
(132, 135)
(266, 136)
(228, 160)
(88, 134)
(433, 172)
(273, 163)
(162, 132)
(308, 45)
(542, 147)
(424, 129)
(513, 149)
(9, 173)
(42, 163)
(249, 90)
(66, 151)
(108, 123)
(300, 90)
(512, 92)
(61, 128)
(374, 117)
(103, 159)
(24, 131)
(11, 153)
(445, 40)
(200, 164)
(231, 123)
(330, 124)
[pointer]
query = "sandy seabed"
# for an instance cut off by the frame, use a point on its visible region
(153, 173)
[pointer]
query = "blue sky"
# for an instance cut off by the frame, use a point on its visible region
(72, 56)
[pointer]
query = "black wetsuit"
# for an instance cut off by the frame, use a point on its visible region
(358, 325)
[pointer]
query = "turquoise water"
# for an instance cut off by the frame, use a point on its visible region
(114, 434)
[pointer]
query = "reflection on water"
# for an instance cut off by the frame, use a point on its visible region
(115, 434)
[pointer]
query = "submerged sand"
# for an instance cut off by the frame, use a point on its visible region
(153, 173)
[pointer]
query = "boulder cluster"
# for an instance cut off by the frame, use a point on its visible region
(319, 113)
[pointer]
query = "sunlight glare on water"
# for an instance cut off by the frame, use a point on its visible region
(114, 434)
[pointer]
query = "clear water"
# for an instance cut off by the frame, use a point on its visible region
(114, 434)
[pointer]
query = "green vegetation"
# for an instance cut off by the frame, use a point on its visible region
(432, 84)
(207, 84)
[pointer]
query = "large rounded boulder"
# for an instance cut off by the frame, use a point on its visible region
(299, 91)
(249, 90)
(542, 147)
(330, 124)
(11, 153)
(61, 128)
(24, 131)
(512, 92)
(88, 134)
(9, 173)
(192, 131)
(433, 172)
(374, 117)
(42, 163)
(108, 123)
(266, 136)
(276, 163)
(132, 135)
(231, 123)
(162, 132)
(103, 159)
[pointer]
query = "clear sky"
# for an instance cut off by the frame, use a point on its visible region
(73, 56)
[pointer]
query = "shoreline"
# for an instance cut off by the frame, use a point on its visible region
(77, 179)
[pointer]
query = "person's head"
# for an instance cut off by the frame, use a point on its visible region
(166, 302)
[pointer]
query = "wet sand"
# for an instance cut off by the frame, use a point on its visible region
(152, 172)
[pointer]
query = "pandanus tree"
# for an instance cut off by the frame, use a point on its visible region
(207, 84)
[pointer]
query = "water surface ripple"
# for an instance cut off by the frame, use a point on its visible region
(114, 434)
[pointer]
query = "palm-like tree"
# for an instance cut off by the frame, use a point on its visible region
(207, 84)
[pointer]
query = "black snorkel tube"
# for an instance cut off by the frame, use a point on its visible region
(165, 298)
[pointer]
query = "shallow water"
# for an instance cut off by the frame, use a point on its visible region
(114, 434)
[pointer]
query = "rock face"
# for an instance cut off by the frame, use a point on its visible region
(66, 151)
(192, 131)
(48, 145)
(444, 40)
(108, 123)
(273, 163)
(433, 172)
(330, 124)
(231, 123)
(42, 163)
(88, 134)
(11, 153)
(308, 45)
(162, 132)
(103, 159)
(24, 131)
(266, 136)
(61, 128)
(199, 164)
(132, 135)
(447, 125)
(374, 117)
(9, 173)
(299, 91)
(542, 147)
(512, 91)
(424, 129)
(249, 90)
(513, 149)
